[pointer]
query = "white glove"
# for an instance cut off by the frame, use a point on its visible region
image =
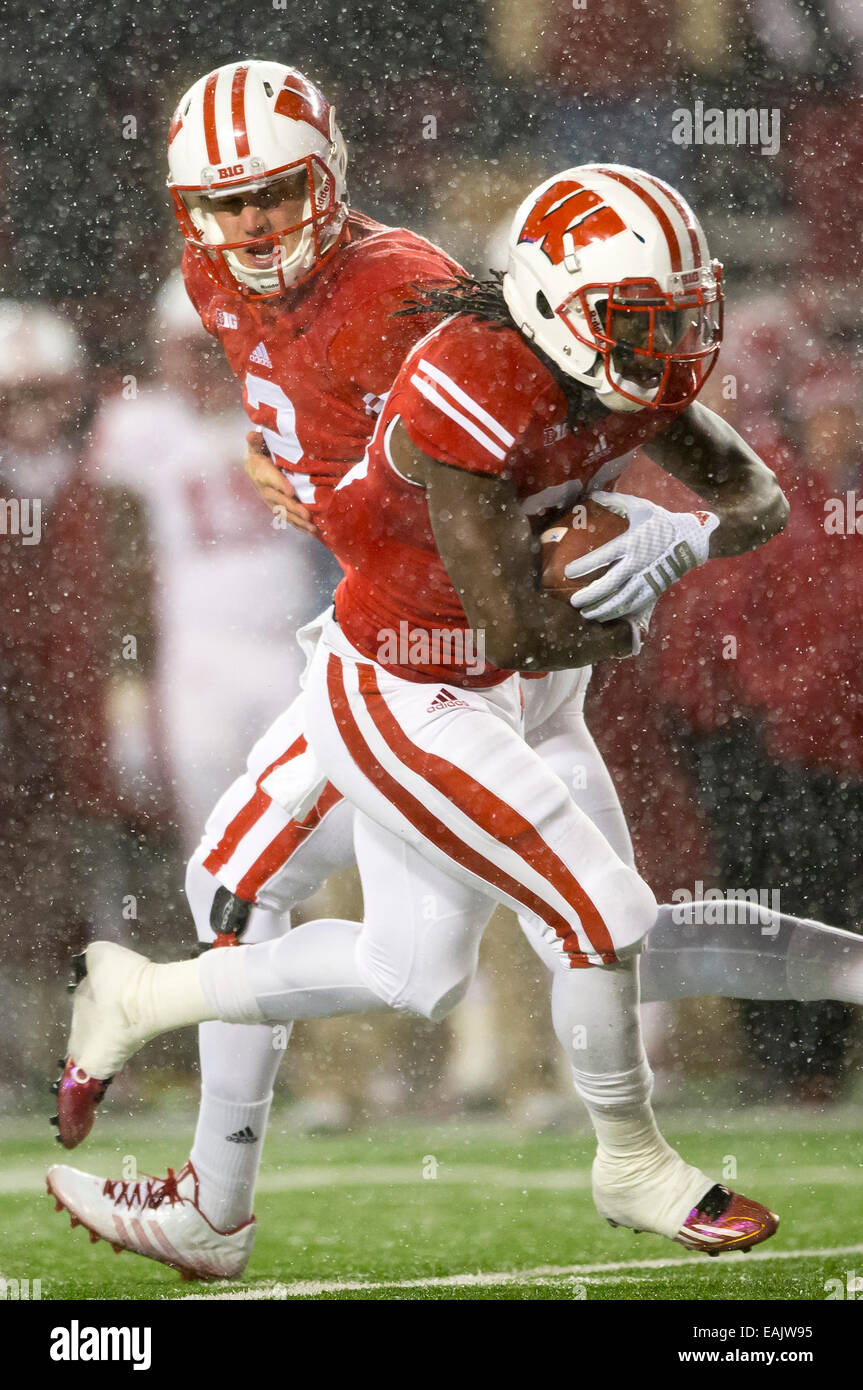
(657, 548)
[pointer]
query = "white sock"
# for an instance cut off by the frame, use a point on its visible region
(238, 1068)
(638, 1179)
(226, 1156)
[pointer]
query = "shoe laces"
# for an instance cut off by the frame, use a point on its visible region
(146, 1192)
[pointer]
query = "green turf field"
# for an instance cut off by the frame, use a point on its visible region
(507, 1214)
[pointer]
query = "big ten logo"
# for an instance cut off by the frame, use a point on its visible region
(843, 516)
(429, 907)
(281, 1033)
(578, 1289)
(578, 1037)
(851, 1287)
(430, 1166)
(729, 1167)
(578, 777)
(18, 1289)
(230, 171)
(129, 1168)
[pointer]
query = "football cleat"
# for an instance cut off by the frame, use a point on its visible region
(117, 996)
(77, 1097)
(158, 1218)
(723, 1220)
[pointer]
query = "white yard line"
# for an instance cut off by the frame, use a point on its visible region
(613, 1271)
(32, 1179)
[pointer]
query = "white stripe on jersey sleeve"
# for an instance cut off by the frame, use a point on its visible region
(444, 405)
(468, 402)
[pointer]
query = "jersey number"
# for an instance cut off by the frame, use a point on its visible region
(278, 417)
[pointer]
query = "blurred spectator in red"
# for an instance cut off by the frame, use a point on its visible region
(620, 52)
(68, 552)
(761, 656)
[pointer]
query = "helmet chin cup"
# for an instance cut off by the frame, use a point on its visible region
(609, 396)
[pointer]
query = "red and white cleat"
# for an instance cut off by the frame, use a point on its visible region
(158, 1218)
(725, 1220)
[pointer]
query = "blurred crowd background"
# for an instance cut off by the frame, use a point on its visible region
(147, 638)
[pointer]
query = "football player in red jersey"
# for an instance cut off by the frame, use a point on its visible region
(282, 827)
(480, 432)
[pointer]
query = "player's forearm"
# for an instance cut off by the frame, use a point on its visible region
(711, 458)
(548, 635)
(751, 510)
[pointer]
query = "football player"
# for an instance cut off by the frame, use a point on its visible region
(282, 829)
(488, 423)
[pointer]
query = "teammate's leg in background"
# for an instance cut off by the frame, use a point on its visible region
(255, 864)
(736, 950)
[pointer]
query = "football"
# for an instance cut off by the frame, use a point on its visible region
(581, 529)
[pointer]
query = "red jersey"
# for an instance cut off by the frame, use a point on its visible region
(477, 397)
(314, 364)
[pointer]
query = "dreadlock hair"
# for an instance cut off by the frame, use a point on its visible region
(483, 299)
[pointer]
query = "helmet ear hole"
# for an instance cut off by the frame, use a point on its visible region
(543, 305)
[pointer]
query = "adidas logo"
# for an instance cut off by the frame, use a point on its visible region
(261, 356)
(242, 1136)
(444, 700)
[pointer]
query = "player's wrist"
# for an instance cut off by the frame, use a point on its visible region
(695, 532)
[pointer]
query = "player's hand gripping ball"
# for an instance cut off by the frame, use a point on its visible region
(581, 529)
(576, 533)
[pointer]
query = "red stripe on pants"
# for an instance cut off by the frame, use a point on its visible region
(251, 812)
(286, 843)
(435, 830)
(496, 817)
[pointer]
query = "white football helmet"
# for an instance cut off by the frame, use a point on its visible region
(609, 274)
(246, 128)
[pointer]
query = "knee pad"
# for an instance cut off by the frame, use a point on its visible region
(430, 1003)
(427, 993)
(218, 912)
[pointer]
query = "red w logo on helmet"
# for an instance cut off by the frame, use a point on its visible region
(300, 101)
(569, 207)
